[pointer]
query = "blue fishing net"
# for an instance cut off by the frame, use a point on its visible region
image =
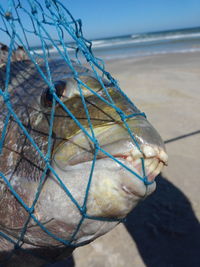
(44, 20)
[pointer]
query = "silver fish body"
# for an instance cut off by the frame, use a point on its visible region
(114, 190)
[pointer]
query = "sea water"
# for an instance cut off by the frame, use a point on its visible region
(140, 45)
(146, 44)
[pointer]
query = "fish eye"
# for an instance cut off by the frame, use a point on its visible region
(47, 97)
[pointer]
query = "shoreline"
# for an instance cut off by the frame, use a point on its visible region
(138, 58)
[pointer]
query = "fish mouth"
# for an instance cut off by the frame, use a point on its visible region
(145, 156)
(123, 168)
(140, 166)
(118, 190)
(152, 157)
(146, 164)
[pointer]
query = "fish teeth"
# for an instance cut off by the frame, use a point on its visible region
(136, 154)
(149, 151)
(163, 157)
(154, 160)
(147, 162)
(129, 159)
(153, 166)
(158, 169)
(153, 151)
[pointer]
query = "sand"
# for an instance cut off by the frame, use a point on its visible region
(164, 230)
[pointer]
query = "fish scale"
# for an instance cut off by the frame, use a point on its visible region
(116, 184)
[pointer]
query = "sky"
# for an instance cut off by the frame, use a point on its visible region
(104, 18)
(117, 17)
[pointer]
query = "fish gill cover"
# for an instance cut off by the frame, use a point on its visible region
(26, 126)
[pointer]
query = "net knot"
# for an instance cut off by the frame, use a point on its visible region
(8, 15)
(109, 76)
(83, 211)
(48, 4)
(96, 144)
(47, 161)
(33, 10)
(88, 56)
(146, 182)
(17, 246)
(121, 113)
(31, 210)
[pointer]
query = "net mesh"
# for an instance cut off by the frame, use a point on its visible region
(57, 35)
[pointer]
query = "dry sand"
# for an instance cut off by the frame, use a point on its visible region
(164, 230)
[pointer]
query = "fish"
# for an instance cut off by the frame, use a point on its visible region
(88, 165)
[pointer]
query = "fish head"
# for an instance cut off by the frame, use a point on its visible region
(103, 155)
(105, 151)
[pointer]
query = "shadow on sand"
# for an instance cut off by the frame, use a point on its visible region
(165, 228)
(69, 262)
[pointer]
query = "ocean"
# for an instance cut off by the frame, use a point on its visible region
(142, 44)
(146, 44)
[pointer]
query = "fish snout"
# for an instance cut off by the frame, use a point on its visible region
(148, 154)
(155, 158)
(147, 163)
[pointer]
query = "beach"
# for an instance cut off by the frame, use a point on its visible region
(60, 187)
(164, 229)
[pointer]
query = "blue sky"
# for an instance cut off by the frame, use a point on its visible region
(118, 17)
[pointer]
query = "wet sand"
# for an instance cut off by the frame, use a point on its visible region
(164, 230)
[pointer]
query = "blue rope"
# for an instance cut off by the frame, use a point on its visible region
(54, 14)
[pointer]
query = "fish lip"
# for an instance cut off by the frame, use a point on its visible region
(131, 158)
(152, 170)
(131, 192)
